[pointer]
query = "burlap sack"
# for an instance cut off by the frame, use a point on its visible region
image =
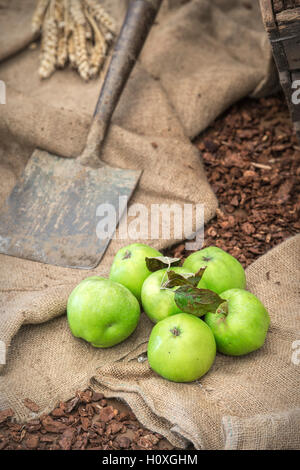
(201, 56)
(249, 402)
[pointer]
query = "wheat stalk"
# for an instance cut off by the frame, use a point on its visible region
(71, 50)
(101, 15)
(88, 31)
(81, 51)
(62, 48)
(59, 13)
(97, 58)
(78, 31)
(77, 13)
(67, 18)
(99, 50)
(38, 15)
(78, 17)
(50, 39)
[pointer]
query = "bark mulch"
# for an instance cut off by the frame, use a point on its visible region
(252, 161)
(252, 157)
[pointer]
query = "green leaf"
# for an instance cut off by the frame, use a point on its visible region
(196, 301)
(196, 278)
(161, 262)
(176, 279)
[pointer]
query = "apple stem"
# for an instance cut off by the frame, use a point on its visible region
(175, 331)
(223, 308)
(127, 254)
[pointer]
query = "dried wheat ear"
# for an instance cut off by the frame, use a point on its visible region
(75, 32)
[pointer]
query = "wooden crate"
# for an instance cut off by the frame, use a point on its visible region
(282, 22)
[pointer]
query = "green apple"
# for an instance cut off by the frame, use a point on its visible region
(129, 266)
(102, 312)
(158, 303)
(239, 325)
(223, 271)
(181, 348)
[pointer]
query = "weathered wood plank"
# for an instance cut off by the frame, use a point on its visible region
(267, 15)
(278, 6)
(288, 16)
(292, 51)
(282, 22)
(289, 3)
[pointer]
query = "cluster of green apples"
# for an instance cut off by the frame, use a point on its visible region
(182, 346)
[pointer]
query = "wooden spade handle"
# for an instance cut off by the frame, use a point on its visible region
(138, 21)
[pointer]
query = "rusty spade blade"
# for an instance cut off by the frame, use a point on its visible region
(51, 214)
